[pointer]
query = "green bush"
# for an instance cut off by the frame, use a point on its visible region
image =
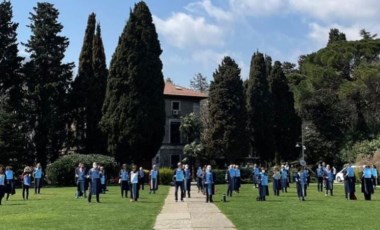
(166, 176)
(62, 171)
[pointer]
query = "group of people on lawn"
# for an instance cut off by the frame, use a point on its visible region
(7, 181)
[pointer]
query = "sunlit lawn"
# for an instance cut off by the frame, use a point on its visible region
(56, 208)
(287, 212)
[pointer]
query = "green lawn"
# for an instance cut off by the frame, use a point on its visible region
(56, 208)
(287, 212)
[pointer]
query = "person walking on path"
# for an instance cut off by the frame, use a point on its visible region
(200, 176)
(187, 180)
(209, 183)
(230, 178)
(179, 177)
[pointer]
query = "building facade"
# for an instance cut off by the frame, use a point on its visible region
(179, 101)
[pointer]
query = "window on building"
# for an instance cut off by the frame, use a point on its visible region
(175, 134)
(176, 105)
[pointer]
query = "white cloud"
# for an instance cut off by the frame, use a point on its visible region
(328, 10)
(208, 58)
(186, 31)
(212, 11)
(257, 7)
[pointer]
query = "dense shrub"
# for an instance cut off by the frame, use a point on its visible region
(166, 176)
(62, 171)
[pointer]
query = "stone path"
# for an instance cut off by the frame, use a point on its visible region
(194, 213)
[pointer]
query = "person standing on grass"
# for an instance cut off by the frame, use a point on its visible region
(230, 178)
(255, 175)
(94, 176)
(141, 178)
(237, 178)
(9, 182)
(349, 182)
(187, 180)
(26, 181)
(319, 174)
(263, 185)
(37, 174)
(329, 178)
(287, 168)
(284, 179)
(209, 183)
(367, 187)
(80, 180)
(179, 177)
(276, 181)
(199, 179)
(103, 180)
(374, 176)
(153, 179)
(124, 181)
(134, 183)
(2, 183)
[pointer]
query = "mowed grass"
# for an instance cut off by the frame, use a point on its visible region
(287, 212)
(56, 208)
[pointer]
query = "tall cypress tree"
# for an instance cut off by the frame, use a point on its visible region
(260, 109)
(287, 124)
(81, 89)
(227, 113)
(133, 111)
(48, 81)
(12, 125)
(96, 138)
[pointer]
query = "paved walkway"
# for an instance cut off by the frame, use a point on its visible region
(194, 213)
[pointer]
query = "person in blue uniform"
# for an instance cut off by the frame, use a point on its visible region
(179, 177)
(80, 180)
(94, 176)
(37, 175)
(374, 176)
(276, 181)
(255, 175)
(209, 183)
(9, 182)
(187, 180)
(263, 185)
(103, 180)
(349, 182)
(153, 179)
(200, 176)
(237, 179)
(319, 174)
(2, 183)
(141, 177)
(124, 181)
(230, 178)
(134, 183)
(284, 179)
(26, 182)
(367, 187)
(329, 178)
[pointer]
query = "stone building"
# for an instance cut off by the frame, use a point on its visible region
(179, 101)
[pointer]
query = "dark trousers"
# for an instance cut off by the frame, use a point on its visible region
(37, 185)
(90, 196)
(231, 186)
(179, 184)
(135, 191)
(320, 184)
(188, 187)
(81, 191)
(25, 192)
(124, 188)
(209, 192)
(141, 182)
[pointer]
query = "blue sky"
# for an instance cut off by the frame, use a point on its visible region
(196, 34)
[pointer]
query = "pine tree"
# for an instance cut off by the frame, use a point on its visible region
(227, 113)
(47, 82)
(259, 109)
(81, 89)
(133, 110)
(12, 125)
(287, 124)
(199, 82)
(96, 138)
